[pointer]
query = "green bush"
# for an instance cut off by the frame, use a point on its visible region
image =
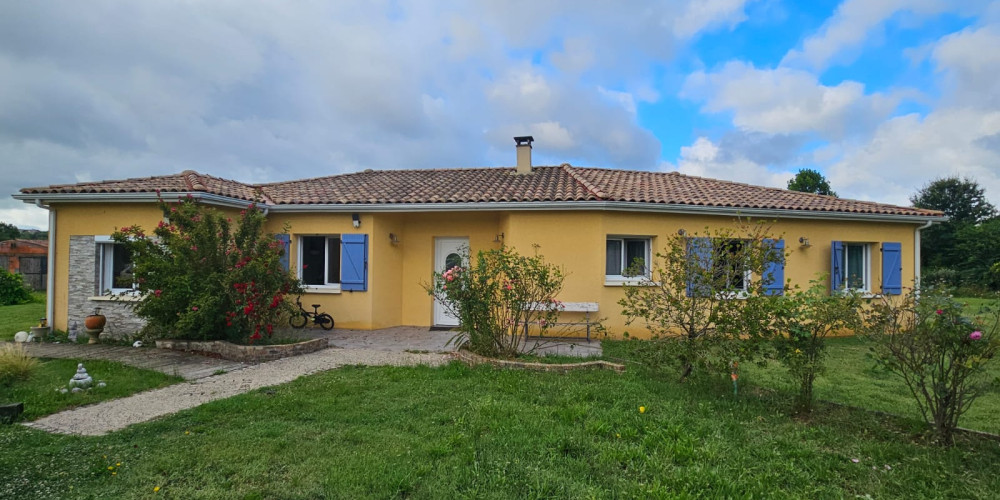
(15, 363)
(927, 339)
(495, 298)
(202, 277)
(12, 289)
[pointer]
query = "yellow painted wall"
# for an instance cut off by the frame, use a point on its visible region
(573, 239)
(75, 219)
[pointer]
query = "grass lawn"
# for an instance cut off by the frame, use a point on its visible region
(458, 432)
(851, 378)
(40, 397)
(19, 318)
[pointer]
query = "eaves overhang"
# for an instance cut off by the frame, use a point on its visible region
(616, 206)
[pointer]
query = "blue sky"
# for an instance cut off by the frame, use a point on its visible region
(882, 96)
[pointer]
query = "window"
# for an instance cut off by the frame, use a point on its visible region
(319, 260)
(627, 258)
(114, 268)
(851, 266)
(729, 267)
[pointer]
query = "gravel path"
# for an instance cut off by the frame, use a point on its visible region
(109, 416)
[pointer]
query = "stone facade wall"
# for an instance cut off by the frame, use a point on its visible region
(84, 296)
(245, 353)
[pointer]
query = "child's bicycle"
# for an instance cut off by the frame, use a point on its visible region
(300, 319)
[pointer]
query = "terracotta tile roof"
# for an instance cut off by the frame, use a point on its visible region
(184, 182)
(484, 185)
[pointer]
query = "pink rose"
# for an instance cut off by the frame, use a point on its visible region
(194, 308)
(939, 312)
(976, 335)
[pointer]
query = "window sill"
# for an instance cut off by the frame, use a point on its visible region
(322, 288)
(622, 281)
(116, 297)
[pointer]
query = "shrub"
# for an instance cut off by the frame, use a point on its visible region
(15, 363)
(803, 320)
(705, 299)
(202, 277)
(496, 296)
(12, 289)
(926, 338)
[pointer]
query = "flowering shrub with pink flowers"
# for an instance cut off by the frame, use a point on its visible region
(496, 296)
(202, 276)
(939, 348)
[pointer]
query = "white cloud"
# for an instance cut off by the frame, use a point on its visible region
(970, 63)
(704, 158)
(787, 101)
(703, 14)
(263, 91)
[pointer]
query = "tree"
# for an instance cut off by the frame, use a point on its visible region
(202, 277)
(810, 181)
(965, 204)
(9, 232)
(707, 300)
(962, 200)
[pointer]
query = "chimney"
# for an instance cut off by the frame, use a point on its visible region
(523, 154)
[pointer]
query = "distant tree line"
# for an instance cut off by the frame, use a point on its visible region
(11, 232)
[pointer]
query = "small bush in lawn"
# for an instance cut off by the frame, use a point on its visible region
(496, 296)
(12, 289)
(803, 320)
(15, 363)
(926, 338)
(204, 277)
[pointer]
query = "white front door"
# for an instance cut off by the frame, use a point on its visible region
(447, 254)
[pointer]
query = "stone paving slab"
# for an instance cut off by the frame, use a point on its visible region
(185, 365)
(109, 416)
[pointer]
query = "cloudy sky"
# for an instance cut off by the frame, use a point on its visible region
(882, 96)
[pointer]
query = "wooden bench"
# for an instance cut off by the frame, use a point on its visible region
(585, 307)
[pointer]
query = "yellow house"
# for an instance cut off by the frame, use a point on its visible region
(365, 242)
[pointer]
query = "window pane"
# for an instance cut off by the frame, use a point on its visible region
(613, 264)
(313, 260)
(729, 266)
(855, 255)
(635, 257)
(121, 266)
(333, 262)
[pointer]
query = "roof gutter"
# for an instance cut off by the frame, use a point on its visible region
(620, 206)
(50, 275)
(212, 199)
(916, 251)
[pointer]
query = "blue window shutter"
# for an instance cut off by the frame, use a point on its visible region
(892, 268)
(774, 272)
(354, 262)
(699, 254)
(286, 246)
(836, 261)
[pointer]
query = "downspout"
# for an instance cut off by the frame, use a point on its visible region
(916, 252)
(50, 275)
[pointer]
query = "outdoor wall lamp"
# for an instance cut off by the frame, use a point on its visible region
(498, 238)
(356, 219)
(681, 232)
(804, 242)
(393, 239)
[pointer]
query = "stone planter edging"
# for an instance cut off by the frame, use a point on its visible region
(473, 359)
(244, 353)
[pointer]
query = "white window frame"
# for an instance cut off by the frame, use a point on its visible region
(326, 287)
(866, 287)
(620, 279)
(105, 267)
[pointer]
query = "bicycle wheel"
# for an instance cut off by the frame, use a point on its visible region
(325, 320)
(297, 320)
